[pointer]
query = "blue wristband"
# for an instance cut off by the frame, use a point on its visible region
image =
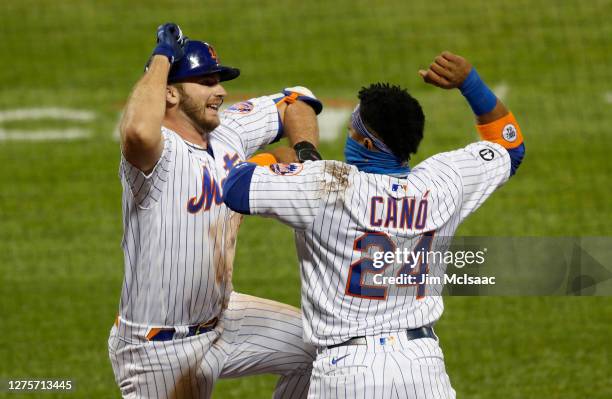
(479, 96)
(164, 49)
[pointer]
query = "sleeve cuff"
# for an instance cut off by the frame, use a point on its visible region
(236, 188)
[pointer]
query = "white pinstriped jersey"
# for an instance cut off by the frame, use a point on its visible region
(342, 215)
(179, 237)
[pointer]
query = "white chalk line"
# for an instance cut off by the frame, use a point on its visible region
(43, 135)
(21, 114)
(27, 114)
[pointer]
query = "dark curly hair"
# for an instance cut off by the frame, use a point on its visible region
(394, 115)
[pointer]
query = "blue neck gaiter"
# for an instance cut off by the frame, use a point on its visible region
(373, 161)
(383, 161)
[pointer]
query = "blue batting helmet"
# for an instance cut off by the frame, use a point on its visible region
(200, 59)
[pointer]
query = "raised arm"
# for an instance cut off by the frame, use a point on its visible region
(140, 127)
(494, 121)
(299, 118)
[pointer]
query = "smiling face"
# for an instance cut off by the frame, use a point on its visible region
(200, 100)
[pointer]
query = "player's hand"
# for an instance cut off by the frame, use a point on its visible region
(170, 42)
(447, 71)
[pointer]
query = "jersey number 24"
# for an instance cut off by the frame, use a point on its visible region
(381, 242)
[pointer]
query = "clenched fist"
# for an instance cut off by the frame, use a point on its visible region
(170, 42)
(447, 71)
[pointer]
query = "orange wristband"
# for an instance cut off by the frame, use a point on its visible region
(290, 99)
(504, 131)
(263, 159)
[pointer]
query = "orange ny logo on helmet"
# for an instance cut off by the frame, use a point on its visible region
(213, 53)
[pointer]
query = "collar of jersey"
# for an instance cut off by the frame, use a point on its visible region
(208, 148)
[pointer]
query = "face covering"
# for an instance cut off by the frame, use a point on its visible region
(381, 162)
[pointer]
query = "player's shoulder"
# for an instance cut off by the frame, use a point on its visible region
(248, 109)
(170, 135)
(449, 165)
(334, 169)
(336, 175)
(331, 175)
(435, 162)
(487, 151)
(437, 175)
(480, 150)
(241, 117)
(440, 168)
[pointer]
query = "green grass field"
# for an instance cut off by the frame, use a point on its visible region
(60, 215)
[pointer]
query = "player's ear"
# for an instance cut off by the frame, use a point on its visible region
(367, 143)
(173, 95)
(364, 141)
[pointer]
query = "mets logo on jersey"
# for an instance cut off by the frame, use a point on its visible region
(210, 194)
(286, 169)
(241, 108)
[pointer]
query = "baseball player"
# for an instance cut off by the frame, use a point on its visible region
(180, 325)
(376, 339)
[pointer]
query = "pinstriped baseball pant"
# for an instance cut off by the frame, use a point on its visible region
(398, 369)
(253, 336)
